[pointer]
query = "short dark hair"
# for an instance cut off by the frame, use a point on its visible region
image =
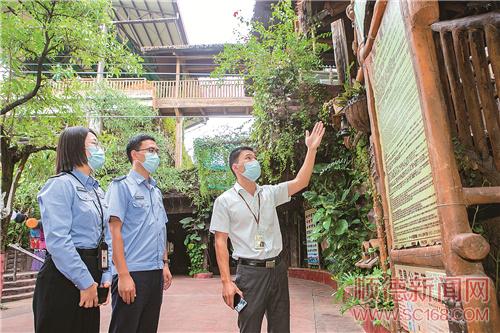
(70, 150)
(135, 144)
(235, 154)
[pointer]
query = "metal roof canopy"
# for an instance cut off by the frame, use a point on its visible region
(195, 60)
(148, 23)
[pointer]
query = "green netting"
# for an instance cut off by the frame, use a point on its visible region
(211, 155)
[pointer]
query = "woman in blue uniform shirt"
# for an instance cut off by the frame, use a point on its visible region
(75, 221)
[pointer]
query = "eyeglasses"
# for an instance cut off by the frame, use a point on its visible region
(96, 145)
(151, 150)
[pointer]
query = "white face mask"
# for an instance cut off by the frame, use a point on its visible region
(151, 162)
(252, 170)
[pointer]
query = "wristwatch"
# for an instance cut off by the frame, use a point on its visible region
(166, 261)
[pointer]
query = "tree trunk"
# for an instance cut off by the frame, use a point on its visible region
(8, 163)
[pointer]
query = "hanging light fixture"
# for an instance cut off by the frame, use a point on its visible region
(344, 126)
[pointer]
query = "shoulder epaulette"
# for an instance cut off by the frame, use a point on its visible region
(59, 175)
(118, 179)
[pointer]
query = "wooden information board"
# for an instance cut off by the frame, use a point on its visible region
(412, 198)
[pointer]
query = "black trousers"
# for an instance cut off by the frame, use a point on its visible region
(143, 314)
(55, 301)
(266, 292)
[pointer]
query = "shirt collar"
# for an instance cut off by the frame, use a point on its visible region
(140, 179)
(240, 188)
(87, 181)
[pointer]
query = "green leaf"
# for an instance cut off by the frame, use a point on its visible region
(326, 223)
(341, 227)
(186, 220)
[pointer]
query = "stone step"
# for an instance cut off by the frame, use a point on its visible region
(20, 283)
(17, 290)
(17, 297)
(20, 276)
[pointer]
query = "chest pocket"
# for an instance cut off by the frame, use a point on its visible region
(140, 203)
(84, 196)
(86, 204)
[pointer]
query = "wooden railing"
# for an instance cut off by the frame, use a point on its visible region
(187, 89)
(121, 84)
(232, 88)
(118, 84)
(468, 51)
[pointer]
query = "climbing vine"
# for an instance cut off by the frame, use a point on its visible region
(343, 199)
(212, 176)
(211, 157)
(276, 63)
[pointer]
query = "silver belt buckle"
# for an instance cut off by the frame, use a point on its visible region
(271, 264)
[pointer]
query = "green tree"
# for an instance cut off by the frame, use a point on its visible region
(276, 63)
(34, 109)
(122, 118)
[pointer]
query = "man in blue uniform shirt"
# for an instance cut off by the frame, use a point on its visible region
(138, 230)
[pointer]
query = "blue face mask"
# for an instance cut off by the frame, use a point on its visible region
(96, 158)
(252, 170)
(152, 162)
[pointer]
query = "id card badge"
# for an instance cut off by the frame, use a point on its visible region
(259, 241)
(102, 256)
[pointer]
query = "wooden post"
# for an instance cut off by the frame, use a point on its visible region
(419, 15)
(179, 138)
(342, 36)
(95, 123)
(179, 121)
(177, 77)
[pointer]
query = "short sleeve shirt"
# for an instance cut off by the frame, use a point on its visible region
(138, 203)
(231, 215)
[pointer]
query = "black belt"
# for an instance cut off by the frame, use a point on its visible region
(87, 252)
(82, 252)
(268, 263)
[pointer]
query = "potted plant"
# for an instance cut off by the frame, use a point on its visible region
(352, 102)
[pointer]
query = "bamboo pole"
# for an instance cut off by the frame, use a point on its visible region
(481, 195)
(377, 149)
(486, 94)
(431, 256)
(457, 93)
(469, 89)
(378, 14)
(446, 91)
(493, 43)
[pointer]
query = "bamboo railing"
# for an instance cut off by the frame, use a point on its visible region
(468, 50)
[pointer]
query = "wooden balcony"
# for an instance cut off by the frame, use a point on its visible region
(203, 97)
(201, 93)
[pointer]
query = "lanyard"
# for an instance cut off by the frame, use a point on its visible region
(101, 211)
(256, 217)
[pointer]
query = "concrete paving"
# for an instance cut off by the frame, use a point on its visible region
(195, 305)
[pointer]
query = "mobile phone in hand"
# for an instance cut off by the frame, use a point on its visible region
(239, 302)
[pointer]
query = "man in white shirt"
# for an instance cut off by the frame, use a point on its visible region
(246, 213)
